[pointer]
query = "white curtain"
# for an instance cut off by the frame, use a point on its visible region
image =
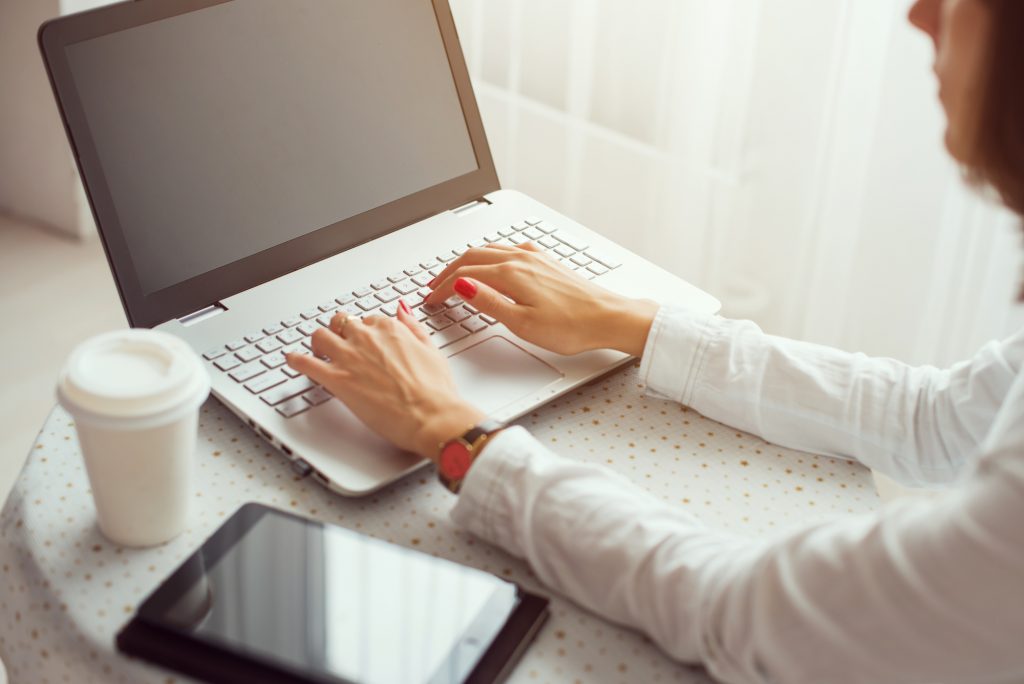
(785, 155)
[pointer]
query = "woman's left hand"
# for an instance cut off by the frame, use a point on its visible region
(392, 377)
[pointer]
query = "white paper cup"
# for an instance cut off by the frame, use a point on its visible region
(135, 397)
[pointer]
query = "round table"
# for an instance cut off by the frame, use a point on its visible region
(65, 590)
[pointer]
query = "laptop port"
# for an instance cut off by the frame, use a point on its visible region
(286, 450)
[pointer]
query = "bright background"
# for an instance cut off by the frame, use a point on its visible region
(785, 155)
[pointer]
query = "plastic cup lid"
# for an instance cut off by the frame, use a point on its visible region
(132, 374)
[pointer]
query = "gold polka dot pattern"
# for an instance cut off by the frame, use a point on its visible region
(65, 590)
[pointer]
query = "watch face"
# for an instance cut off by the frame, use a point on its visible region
(454, 461)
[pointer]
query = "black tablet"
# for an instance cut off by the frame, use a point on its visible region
(272, 597)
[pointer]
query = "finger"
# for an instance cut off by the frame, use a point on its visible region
(405, 316)
(476, 256)
(487, 300)
(443, 289)
(340, 321)
(319, 371)
(327, 344)
(530, 247)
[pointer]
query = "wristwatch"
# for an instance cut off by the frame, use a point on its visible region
(458, 454)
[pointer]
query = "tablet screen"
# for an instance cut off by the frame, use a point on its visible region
(332, 604)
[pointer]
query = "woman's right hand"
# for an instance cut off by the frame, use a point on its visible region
(544, 302)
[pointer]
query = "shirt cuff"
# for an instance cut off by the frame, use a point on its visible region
(487, 502)
(675, 352)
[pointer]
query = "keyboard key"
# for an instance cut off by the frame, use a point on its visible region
(473, 244)
(412, 271)
(390, 309)
(460, 250)
(255, 337)
(532, 220)
(215, 353)
(236, 345)
(396, 277)
(317, 396)
(310, 313)
(520, 226)
(309, 327)
(289, 336)
(388, 295)
(325, 319)
(271, 344)
(424, 292)
(345, 299)
(429, 264)
(546, 227)
(420, 314)
(423, 279)
(328, 306)
(440, 322)
(295, 348)
(308, 343)
(291, 372)
(448, 336)
(582, 260)
(588, 275)
(433, 309)
(247, 354)
(518, 239)
(293, 408)
(273, 329)
(577, 243)
(564, 250)
(445, 258)
(597, 269)
(489, 320)
(604, 259)
(406, 287)
(363, 292)
(493, 237)
(470, 308)
(291, 322)
(368, 303)
(454, 300)
(505, 232)
(247, 372)
(288, 390)
(266, 381)
(474, 325)
(227, 363)
(273, 360)
(380, 284)
(548, 242)
(458, 314)
(533, 233)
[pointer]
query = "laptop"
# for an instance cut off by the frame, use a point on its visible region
(255, 166)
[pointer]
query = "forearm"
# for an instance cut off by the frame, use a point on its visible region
(918, 424)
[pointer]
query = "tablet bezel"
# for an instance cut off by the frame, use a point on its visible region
(194, 294)
(145, 637)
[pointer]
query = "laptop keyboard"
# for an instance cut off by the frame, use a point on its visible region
(257, 360)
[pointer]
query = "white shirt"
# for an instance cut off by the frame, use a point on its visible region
(921, 591)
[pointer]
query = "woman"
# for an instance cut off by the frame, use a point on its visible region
(917, 592)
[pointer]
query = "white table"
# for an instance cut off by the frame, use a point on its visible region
(65, 590)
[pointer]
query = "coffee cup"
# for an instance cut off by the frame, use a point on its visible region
(135, 397)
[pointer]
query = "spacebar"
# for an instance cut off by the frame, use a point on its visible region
(287, 390)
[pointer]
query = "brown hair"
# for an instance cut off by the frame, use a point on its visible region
(998, 155)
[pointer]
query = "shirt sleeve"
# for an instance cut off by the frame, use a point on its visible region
(923, 591)
(919, 425)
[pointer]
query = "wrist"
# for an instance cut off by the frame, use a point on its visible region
(445, 425)
(624, 324)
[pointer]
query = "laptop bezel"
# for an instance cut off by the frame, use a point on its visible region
(149, 310)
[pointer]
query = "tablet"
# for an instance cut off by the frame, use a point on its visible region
(272, 597)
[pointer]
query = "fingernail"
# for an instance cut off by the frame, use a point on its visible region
(432, 283)
(404, 306)
(465, 288)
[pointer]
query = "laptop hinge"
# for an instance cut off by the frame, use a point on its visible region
(479, 203)
(203, 314)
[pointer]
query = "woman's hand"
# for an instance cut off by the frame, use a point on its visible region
(545, 303)
(392, 377)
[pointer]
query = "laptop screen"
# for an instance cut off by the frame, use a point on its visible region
(227, 131)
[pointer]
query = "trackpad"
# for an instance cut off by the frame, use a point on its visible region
(496, 373)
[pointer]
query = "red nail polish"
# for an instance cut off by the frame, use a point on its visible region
(465, 288)
(405, 307)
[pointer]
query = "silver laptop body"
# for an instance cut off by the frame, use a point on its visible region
(256, 166)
